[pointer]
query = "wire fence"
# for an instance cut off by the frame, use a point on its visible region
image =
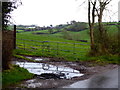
(53, 48)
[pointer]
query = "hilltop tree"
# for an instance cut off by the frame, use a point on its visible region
(77, 26)
(73, 21)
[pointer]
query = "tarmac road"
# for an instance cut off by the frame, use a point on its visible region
(105, 80)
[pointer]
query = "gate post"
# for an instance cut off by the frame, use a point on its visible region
(14, 36)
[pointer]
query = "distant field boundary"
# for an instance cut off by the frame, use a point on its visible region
(24, 30)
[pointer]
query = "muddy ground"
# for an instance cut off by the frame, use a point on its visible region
(87, 68)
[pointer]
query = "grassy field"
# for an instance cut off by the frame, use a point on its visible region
(55, 45)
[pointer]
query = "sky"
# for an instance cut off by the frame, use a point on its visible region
(55, 12)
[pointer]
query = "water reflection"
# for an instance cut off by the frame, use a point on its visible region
(40, 68)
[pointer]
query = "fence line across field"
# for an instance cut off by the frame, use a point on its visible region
(51, 46)
(50, 41)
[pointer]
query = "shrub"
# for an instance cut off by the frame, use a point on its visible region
(107, 43)
(66, 35)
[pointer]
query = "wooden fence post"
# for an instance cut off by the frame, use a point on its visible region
(57, 48)
(24, 44)
(49, 47)
(73, 48)
(74, 54)
(14, 36)
(43, 47)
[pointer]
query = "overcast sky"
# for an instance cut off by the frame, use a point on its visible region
(55, 12)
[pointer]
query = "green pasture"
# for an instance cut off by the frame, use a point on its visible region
(51, 37)
(64, 50)
(54, 45)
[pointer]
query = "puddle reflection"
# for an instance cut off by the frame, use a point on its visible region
(40, 68)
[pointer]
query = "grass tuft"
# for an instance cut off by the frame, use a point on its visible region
(15, 75)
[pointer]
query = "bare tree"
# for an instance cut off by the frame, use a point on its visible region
(98, 7)
(100, 10)
(91, 22)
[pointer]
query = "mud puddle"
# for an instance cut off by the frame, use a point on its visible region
(48, 69)
(47, 74)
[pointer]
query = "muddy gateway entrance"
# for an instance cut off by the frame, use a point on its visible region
(58, 74)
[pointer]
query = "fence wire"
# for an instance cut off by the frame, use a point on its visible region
(53, 48)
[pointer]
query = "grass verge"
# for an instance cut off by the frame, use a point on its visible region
(14, 75)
